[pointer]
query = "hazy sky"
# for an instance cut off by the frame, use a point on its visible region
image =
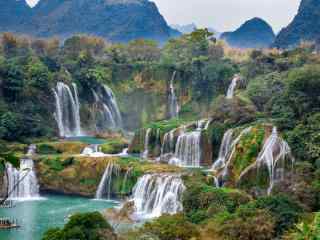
(224, 15)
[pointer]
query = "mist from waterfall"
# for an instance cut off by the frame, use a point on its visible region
(23, 183)
(67, 113)
(157, 194)
(232, 86)
(104, 190)
(273, 155)
(173, 100)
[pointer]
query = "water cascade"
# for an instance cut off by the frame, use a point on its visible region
(188, 147)
(167, 147)
(232, 86)
(173, 100)
(273, 155)
(105, 186)
(109, 116)
(23, 183)
(188, 150)
(67, 112)
(226, 152)
(157, 194)
(145, 153)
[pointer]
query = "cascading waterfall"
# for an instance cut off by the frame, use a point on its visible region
(109, 112)
(157, 194)
(188, 150)
(232, 86)
(188, 147)
(173, 100)
(274, 153)
(105, 186)
(67, 112)
(23, 183)
(225, 149)
(168, 145)
(145, 153)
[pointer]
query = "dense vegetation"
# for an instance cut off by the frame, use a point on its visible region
(281, 88)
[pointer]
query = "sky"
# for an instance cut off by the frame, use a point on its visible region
(225, 15)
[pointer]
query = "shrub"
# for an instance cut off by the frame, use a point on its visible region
(83, 226)
(245, 223)
(170, 227)
(285, 211)
(201, 201)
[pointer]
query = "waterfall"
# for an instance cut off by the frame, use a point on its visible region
(67, 112)
(157, 194)
(167, 146)
(188, 150)
(225, 149)
(188, 147)
(105, 185)
(110, 116)
(145, 153)
(274, 153)
(23, 183)
(173, 100)
(232, 86)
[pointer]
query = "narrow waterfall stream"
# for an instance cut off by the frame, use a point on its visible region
(273, 155)
(156, 194)
(225, 149)
(232, 86)
(104, 190)
(173, 100)
(67, 112)
(145, 153)
(226, 152)
(23, 183)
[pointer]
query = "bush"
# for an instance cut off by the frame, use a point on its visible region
(171, 227)
(245, 223)
(285, 211)
(82, 226)
(201, 201)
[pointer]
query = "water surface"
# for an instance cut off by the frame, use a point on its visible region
(35, 217)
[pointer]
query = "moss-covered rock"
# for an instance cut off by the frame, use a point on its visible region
(65, 147)
(79, 175)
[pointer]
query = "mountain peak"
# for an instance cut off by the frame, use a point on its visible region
(254, 33)
(115, 20)
(304, 27)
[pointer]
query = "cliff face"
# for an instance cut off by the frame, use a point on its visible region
(255, 33)
(305, 26)
(116, 20)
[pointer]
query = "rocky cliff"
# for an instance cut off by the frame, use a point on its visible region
(305, 26)
(116, 20)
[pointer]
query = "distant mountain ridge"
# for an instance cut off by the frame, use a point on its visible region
(254, 33)
(116, 20)
(304, 27)
(189, 28)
